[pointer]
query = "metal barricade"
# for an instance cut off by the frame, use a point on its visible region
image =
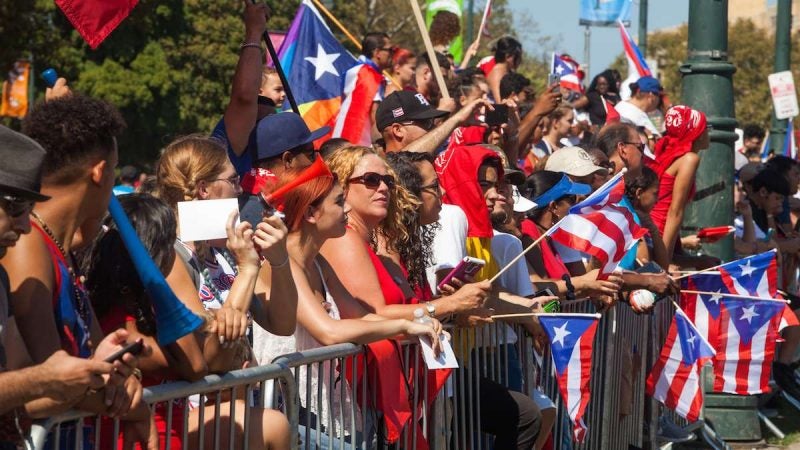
(248, 382)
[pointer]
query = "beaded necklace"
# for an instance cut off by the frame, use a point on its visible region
(80, 298)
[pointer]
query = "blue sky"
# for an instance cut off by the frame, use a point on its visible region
(559, 19)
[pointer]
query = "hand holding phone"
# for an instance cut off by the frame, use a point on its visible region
(134, 348)
(468, 267)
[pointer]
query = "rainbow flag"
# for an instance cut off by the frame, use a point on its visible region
(315, 63)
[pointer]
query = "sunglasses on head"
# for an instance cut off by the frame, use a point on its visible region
(15, 206)
(373, 180)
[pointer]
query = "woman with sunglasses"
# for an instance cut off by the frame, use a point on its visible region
(327, 313)
(554, 194)
(381, 259)
(675, 164)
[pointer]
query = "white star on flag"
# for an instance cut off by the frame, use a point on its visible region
(561, 333)
(747, 269)
(748, 314)
(716, 297)
(691, 340)
(559, 69)
(323, 62)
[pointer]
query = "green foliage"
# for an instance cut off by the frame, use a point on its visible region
(168, 66)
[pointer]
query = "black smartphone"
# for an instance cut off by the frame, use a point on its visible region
(134, 348)
(498, 116)
(544, 293)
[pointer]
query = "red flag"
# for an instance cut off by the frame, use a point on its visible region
(612, 116)
(96, 19)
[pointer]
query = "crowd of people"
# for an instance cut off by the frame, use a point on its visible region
(354, 252)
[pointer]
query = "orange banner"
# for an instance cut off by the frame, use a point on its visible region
(15, 91)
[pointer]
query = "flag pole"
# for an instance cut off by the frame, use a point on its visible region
(702, 271)
(437, 71)
(274, 55)
(745, 297)
(350, 36)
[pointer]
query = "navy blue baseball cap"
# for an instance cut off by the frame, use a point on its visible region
(277, 133)
(565, 186)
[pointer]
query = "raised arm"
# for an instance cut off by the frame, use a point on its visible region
(434, 138)
(240, 115)
(276, 307)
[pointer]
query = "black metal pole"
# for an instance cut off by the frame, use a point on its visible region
(274, 55)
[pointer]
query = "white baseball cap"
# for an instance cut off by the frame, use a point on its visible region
(521, 204)
(573, 161)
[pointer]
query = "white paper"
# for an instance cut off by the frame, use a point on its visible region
(202, 220)
(784, 96)
(446, 359)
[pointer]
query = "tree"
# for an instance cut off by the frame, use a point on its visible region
(751, 50)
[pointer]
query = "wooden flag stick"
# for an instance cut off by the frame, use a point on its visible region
(746, 297)
(437, 71)
(530, 247)
(350, 36)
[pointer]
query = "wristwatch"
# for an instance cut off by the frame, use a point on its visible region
(431, 309)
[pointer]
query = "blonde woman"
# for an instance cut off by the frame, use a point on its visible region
(227, 276)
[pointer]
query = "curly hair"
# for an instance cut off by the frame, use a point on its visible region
(343, 163)
(445, 27)
(417, 252)
(184, 163)
(73, 130)
(108, 266)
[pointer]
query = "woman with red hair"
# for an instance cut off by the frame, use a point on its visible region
(675, 163)
(327, 313)
(404, 67)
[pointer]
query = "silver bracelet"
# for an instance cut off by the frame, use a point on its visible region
(278, 266)
(257, 45)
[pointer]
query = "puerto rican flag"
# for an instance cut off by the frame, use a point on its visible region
(748, 333)
(363, 86)
(704, 309)
(571, 339)
(633, 54)
(612, 115)
(675, 378)
(598, 227)
(568, 72)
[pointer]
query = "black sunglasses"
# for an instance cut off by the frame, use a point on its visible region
(15, 206)
(425, 124)
(638, 145)
(373, 180)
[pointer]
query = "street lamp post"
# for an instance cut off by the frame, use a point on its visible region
(783, 51)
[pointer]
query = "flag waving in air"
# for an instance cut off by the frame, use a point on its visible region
(568, 71)
(633, 54)
(571, 339)
(599, 227)
(315, 64)
(748, 332)
(675, 378)
(96, 19)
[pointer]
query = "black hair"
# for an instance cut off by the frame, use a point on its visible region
(417, 252)
(645, 180)
(752, 130)
(331, 145)
(108, 266)
(781, 164)
(771, 180)
(441, 58)
(513, 83)
(372, 41)
(609, 76)
(611, 135)
(72, 129)
(505, 47)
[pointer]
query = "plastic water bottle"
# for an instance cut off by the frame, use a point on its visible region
(420, 316)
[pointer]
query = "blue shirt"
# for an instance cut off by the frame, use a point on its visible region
(629, 260)
(243, 163)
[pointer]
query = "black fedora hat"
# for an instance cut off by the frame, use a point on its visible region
(21, 171)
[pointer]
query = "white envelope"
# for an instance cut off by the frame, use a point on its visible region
(446, 359)
(203, 220)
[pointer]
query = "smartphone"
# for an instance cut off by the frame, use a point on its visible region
(468, 267)
(553, 79)
(134, 348)
(544, 293)
(498, 116)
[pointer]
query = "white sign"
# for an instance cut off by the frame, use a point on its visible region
(202, 220)
(784, 96)
(445, 360)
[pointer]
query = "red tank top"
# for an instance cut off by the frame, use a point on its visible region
(392, 294)
(666, 188)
